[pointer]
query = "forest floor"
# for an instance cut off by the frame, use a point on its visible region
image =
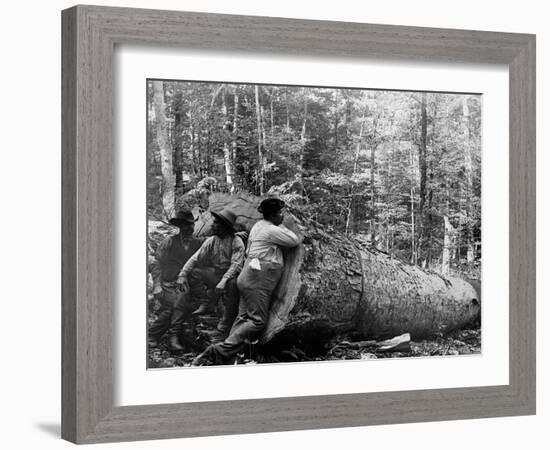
(343, 347)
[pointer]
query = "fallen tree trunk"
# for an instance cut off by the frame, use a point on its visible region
(333, 284)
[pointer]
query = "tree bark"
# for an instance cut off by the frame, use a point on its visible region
(168, 181)
(177, 139)
(200, 157)
(234, 144)
(447, 244)
(267, 155)
(412, 193)
(271, 113)
(373, 188)
(349, 219)
(422, 149)
(332, 284)
(336, 124)
(469, 178)
(192, 149)
(260, 150)
(228, 162)
(302, 142)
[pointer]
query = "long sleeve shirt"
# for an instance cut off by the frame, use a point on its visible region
(170, 256)
(224, 254)
(267, 239)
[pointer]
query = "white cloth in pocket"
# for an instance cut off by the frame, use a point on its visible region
(255, 264)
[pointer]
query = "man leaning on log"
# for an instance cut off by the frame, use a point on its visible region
(262, 270)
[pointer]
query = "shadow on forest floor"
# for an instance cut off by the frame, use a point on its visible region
(342, 347)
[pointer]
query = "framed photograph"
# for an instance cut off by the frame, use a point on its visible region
(277, 224)
(342, 162)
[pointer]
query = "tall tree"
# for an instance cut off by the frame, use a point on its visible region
(168, 179)
(177, 138)
(414, 254)
(469, 178)
(422, 165)
(260, 168)
(372, 185)
(303, 141)
(235, 132)
(351, 201)
(228, 162)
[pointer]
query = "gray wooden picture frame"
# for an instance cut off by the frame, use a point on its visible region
(89, 37)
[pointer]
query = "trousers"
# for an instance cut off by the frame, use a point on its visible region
(255, 288)
(176, 306)
(202, 283)
(170, 298)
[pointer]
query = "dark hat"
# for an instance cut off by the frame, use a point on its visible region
(183, 216)
(226, 216)
(271, 205)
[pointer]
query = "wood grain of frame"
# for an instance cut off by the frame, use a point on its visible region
(89, 36)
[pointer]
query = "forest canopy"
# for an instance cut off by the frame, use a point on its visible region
(398, 170)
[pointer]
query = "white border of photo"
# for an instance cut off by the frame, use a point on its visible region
(134, 385)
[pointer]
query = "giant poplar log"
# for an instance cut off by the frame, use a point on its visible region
(333, 284)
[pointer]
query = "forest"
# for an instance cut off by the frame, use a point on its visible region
(399, 171)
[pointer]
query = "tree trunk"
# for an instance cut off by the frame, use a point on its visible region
(288, 137)
(200, 157)
(192, 149)
(287, 115)
(260, 150)
(358, 146)
(235, 126)
(303, 141)
(336, 130)
(469, 178)
(168, 181)
(177, 139)
(347, 117)
(447, 244)
(271, 113)
(267, 155)
(412, 192)
(423, 174)
(372, 194)
(332, 284)
(349, 217)
(228, 163)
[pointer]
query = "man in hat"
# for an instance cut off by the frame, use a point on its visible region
(257, 281)
(170, 256)
(216, 265)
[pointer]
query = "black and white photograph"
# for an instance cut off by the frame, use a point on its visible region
(291, 224)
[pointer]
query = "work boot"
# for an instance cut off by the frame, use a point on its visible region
(216, 336)
(230, 303)
(203, 310)
(223, 327)
(175, 345)
(203, 359)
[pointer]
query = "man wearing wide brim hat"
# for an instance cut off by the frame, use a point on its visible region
(168, 259)
(216, 264)
(227, 217)
(183, 216)
(258, 279)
